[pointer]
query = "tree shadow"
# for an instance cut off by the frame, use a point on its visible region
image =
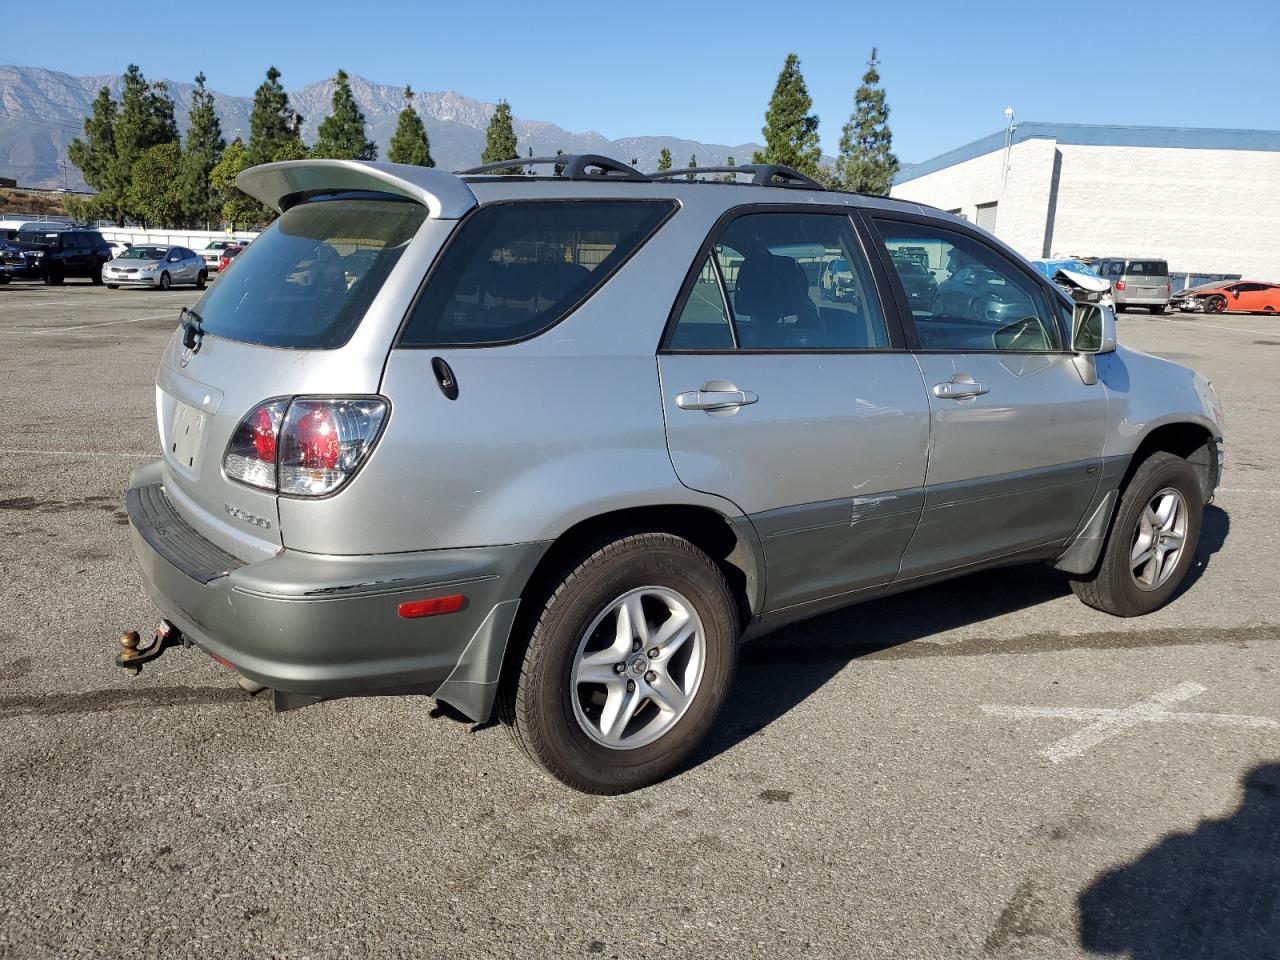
(1213, 894)
(783, 668)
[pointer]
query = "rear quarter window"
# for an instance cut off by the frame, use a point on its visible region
(307, 281)
(513, 270)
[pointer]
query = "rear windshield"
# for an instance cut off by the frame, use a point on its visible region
(1147, 268)
(515, 269)
(308, 279)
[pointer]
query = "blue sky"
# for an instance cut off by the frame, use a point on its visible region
(705, 71)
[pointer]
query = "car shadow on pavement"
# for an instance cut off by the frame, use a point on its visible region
(1211, 894)
(783, 668)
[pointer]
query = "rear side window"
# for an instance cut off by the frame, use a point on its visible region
(308, 279)
(515, 269)
(1147, 268)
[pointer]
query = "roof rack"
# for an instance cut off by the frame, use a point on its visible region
(762, 175)
(583, 166)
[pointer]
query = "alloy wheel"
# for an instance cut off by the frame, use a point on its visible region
(1159, 539)
(637, 668)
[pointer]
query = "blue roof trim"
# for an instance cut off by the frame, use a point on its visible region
(1187, 138)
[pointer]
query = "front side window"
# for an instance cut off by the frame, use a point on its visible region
(973, 298)
(514, 270)
(794, 281)
(307, 281)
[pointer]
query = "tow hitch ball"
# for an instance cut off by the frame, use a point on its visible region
(132, 657)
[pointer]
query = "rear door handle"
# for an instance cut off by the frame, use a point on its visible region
(960, 387)
(714, 399)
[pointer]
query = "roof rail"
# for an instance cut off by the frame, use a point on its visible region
(584, 166)
(762, 175)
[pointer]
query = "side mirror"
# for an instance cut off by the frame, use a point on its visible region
(1093, 329)
(1236, 294)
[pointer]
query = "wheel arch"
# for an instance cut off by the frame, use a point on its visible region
(731, 543)
(1192, 441)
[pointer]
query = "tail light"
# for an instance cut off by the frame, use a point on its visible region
(304, 447)
(1169, 284)
(1119, 284)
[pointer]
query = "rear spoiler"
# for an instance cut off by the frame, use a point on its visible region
(444, 195)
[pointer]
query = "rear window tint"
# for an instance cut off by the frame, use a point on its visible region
(1147, 268)
(515, 269)
(308, 279)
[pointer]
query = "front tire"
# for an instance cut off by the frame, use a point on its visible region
(165, 281)
(1152, 543)
(627, 666)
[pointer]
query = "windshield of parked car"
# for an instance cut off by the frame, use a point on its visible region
(307, 281)
(39, 239)
(143, 253)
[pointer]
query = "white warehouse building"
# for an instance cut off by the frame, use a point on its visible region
(1207, 201)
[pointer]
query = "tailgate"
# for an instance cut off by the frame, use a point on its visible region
(311, 310)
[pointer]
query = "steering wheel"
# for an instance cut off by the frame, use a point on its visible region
(1020, 335)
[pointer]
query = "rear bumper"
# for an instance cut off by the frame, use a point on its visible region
(328, 626)
(1128, 301)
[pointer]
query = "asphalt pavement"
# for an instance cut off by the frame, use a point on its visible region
(985, 768)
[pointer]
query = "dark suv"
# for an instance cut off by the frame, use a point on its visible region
(54, 255)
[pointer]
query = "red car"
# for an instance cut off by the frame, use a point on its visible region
(229, 254)
(1232, 296)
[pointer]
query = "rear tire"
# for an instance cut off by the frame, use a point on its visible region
(97, 278)
(113, 286)
(559, 715)
(54, 278)
(1156, 310)
(1120, 309)
(1116, 585)
(201, 279)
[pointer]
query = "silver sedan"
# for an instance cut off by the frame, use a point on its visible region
(157, 267)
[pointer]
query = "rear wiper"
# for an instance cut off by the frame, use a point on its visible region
(192, 327)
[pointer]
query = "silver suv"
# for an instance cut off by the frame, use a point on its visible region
(554, 445)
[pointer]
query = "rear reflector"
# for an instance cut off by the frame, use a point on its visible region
(433, 607)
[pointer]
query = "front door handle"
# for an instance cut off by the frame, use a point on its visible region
(714, 399)
(960, 387)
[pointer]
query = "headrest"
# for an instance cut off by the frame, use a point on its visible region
(559, 279)
(770, 287)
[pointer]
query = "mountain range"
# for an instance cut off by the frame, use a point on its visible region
(41, 111)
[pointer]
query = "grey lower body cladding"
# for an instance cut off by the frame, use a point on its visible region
(324, 626)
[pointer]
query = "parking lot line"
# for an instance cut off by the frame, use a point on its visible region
(108, 323)
(1211, 326)
(1107, 723)
(36, 302)
(12, 452)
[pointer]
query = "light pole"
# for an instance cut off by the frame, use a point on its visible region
(1008, 143)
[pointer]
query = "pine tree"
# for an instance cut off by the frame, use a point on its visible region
(204, 148)
(866, 163)
(273, 125)
(500, 138)
(790, 130)
(93, 155)
(144, 120)
(693, 162)
(409, 143)
(238, 208)
(341, 135)
(664, 160)
(155, 191)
